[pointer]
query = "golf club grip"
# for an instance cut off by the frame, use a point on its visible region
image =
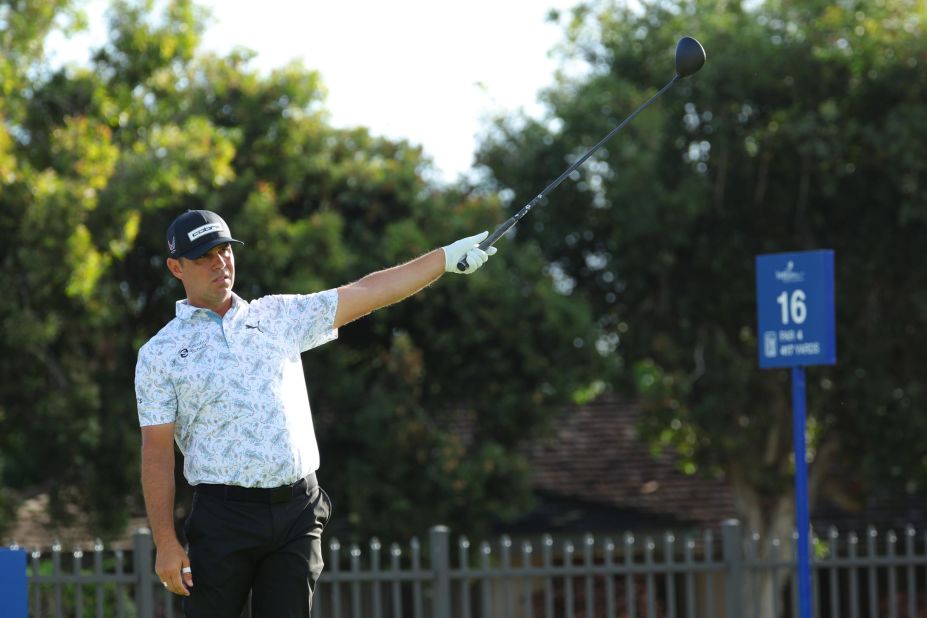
(488, 241)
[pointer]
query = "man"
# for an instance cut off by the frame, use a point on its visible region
(224, 379)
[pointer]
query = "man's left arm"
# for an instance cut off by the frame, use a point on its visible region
(392, 285)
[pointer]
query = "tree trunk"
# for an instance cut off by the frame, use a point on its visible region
(768, 525)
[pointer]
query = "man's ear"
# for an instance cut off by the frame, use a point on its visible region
(175, 267)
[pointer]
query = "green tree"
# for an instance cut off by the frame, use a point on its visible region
(806, 129)
(418, 407)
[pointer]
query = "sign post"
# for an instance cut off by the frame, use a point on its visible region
(795, 328)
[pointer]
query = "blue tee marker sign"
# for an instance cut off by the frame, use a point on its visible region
(13, 583)
(795, 309)
(795, 328)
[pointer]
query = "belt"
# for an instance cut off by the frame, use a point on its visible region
(267, 495)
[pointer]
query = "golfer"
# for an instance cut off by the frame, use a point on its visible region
(224, 380)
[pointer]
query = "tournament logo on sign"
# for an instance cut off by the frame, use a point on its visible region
(790, 275)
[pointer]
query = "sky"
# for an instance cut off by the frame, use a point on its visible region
(429, 71)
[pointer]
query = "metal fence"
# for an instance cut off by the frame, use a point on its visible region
(697, 576)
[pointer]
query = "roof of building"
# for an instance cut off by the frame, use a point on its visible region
(596, 473)
(33, 529)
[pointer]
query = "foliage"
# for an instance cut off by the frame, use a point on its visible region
(96, 161)
(806, 129)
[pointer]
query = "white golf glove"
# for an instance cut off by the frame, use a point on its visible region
(476, 257)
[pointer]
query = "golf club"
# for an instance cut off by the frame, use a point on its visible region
(690, 56)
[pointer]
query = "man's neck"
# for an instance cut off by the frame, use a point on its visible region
(220, 309)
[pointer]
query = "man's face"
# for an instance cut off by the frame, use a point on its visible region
(208, 279)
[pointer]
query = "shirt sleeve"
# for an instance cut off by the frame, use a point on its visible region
(308, 319)
(154, 393)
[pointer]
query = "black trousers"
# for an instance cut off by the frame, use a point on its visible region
(271, 549)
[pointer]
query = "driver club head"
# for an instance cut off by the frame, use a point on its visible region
(690, 56)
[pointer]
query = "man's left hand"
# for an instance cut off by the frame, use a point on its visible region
(476, 257)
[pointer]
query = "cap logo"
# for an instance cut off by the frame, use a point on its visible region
(172, 244)
(203, 229)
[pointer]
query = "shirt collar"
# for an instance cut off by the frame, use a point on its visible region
(185, 311)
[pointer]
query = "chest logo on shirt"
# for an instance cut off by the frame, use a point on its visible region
(191, 349)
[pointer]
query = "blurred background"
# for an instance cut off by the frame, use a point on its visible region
(599, 374)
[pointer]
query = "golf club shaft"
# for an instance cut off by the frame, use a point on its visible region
(502, 229)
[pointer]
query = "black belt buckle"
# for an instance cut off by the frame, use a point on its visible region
(281, 494)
